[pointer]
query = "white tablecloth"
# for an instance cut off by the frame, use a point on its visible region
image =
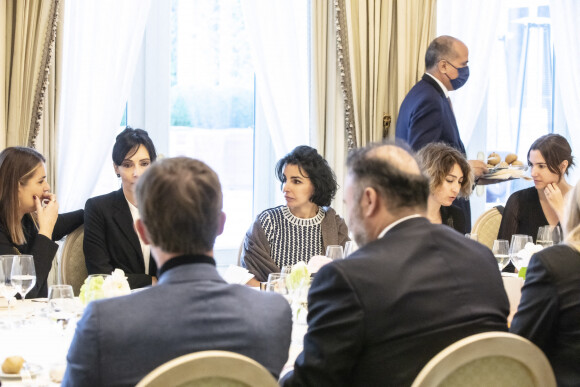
(26, 331)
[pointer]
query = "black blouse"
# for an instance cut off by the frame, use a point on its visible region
(453, 217)
(40, 247)
(523, 214)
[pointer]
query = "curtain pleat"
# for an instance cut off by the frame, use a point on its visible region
(381, 46)
(27, 27)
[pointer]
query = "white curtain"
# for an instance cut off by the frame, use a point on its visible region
(102, 39)
(475, 24)
(278, 37)
(565, 29)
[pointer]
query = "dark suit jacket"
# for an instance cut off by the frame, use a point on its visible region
(377, 317)
(425, 116)
(119, 340)
(549, 311)
(111, 241)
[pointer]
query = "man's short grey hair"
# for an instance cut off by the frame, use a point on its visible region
(392, 170)
(439, 49)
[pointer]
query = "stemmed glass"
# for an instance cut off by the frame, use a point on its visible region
(519, 243)
(349, 248)
(6, 287)
(23, 274)
(61, 304)
(549, 236)
(500, 250)
(277, 283)
(335, 252)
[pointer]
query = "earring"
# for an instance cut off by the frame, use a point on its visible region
(118, 175)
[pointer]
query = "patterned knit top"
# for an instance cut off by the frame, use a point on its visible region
(292, 239)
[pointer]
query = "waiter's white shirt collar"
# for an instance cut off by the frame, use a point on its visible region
(390, 226)
(441, 85)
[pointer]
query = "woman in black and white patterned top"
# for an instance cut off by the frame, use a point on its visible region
(305, 226)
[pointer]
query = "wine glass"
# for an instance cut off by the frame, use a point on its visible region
(277, 283)
(335, 252)
(549, 236)
(6, 287)
(518, 244)
(286, 269)
(501, 252)
(23, 274)
(61, 304)
(349, 248)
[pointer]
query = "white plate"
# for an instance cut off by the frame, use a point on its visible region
(34, 370)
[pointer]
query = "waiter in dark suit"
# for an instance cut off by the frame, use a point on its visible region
(413, 288)
(426, 114)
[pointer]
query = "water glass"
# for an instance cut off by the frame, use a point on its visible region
(549, 236)
(61, 304)
(349, 248)
(517, 244)
(23, 274)
(277, 283)
(286, 269)
(335, 252)
(501, 252)
(7, 289)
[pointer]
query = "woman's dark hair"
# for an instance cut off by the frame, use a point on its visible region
(313, 166)
(438, 159)
(554, 149)
(128, 141)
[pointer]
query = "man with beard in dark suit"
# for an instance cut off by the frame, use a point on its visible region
(410, 290)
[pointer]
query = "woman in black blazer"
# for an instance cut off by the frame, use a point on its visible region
(29, 219)
(110, 240)
(549, 310)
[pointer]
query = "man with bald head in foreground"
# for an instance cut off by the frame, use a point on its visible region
(413, 288)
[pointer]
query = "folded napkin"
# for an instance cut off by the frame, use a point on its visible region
(237, 275)
(317, 262)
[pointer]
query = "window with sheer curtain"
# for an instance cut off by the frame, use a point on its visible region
(513, 95)
(207, 86)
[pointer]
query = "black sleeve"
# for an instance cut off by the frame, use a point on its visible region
(67, 223)
(95, 242)
(335, 333)
(510, 218)
(537, 315)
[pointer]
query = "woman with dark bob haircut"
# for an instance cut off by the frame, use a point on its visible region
(549, 309)
(305, 226)
(549, 158)
(29, 219)
(110, 240)
(450, 177)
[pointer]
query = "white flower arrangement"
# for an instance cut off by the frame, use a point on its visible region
(104, 286)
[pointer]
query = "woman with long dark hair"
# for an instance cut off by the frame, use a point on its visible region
(29, 219)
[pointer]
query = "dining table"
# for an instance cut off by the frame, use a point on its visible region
(26, 330)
